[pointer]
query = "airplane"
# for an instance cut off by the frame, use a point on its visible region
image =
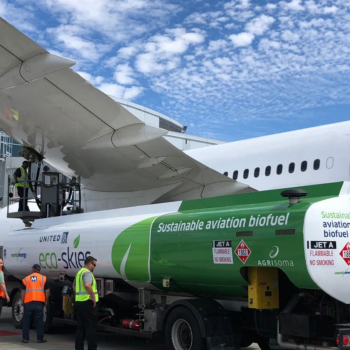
(122, 162)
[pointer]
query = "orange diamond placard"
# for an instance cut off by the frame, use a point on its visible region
(345, 253)
(242, 251)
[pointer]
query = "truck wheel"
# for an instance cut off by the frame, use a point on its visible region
(182, 331)
(17, 311)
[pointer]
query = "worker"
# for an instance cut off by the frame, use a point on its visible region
(34, 296)
(3, 290)
(46, 168)
(22, 184)
(86, 297)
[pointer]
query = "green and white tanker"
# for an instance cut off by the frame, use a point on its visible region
(207, 248)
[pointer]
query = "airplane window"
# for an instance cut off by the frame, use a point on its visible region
(246, 174)
(279, 169)
(316, 164)
(303, 165)
(235, 175)
(226, 173)
(291, 167)
(330, 162)
(268, 170)
(256, 172)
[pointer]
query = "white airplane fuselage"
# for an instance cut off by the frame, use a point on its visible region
(329, 145)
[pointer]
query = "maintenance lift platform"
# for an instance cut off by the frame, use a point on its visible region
(54, 196)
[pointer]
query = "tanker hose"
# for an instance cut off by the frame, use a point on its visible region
(104, 319)
(68, 198)
(37, 177)
(110, 310)
(37, 200)
(293, 302)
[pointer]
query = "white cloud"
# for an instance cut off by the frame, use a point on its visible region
(71, 37)
(119, 20)
(22, 19)
(124, 74)
(330, 9)
(293, 5)
(259, 25)
(133, 92)
(242, 39)
(120, 91)
(271, 6)
(206, 18)
(215, 45)
(266, 44)
(230, 26)
(124, 53)
(243, 4)
(93, 80)
(223, 19)
(312, 6)
(162, 52)
(287, 35)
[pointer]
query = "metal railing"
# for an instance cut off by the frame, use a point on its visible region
(68, 200)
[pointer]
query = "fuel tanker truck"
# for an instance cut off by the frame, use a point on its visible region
(270, 267)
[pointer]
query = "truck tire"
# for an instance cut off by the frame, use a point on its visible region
(182, 331)
(17, 311)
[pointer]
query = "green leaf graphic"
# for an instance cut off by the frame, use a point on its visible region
(76, 242)
(134, 239)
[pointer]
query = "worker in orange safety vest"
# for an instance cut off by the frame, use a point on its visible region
(34, 296)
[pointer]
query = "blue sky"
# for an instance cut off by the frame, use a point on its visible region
(228, 69)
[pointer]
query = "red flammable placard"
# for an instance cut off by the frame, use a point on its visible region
(242, 251)
(345, 253)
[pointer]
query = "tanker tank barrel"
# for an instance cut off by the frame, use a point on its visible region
(236, 269)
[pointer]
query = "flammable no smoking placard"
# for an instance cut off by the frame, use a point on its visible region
(222, 252)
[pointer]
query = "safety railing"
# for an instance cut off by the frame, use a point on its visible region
(43, 199)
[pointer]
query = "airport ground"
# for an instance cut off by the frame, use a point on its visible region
(62, 337)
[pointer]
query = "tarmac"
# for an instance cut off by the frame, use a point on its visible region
(62, 337)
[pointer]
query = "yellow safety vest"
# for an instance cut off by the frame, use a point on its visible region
(80, 292)
(24, 177)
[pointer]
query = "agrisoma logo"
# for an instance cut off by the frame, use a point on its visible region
(70, 258)
(275, 262)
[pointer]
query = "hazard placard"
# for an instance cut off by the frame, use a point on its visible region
(242, 251)
(345, 253)
(222, 252)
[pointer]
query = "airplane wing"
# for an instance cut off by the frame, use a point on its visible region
(81, 131)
